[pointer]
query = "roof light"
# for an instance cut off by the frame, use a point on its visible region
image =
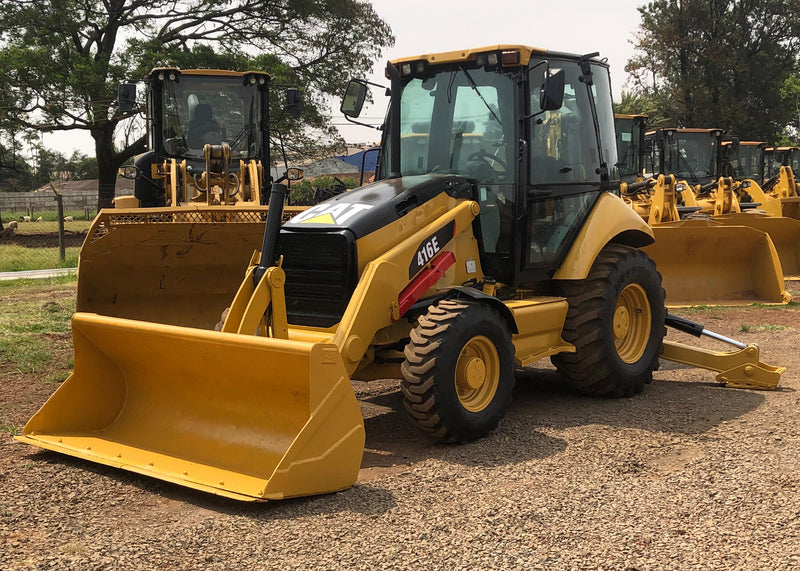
(491, 59)
(405, 69)
(510, 58)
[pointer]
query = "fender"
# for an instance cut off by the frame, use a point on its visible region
(477, 295)
(611, 220)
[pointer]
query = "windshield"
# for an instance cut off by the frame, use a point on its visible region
(691, 156)
(458, 121)
(628, 132)
(211, 110)
(745, 162)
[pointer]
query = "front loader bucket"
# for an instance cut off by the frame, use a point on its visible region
(784, 233)
(705, 263)
(175, 266)
(251, 418)
(790, 207)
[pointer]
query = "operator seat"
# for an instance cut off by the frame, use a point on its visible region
(203, 129)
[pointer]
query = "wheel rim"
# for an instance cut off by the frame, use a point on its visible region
(632, 323)
(477, 374)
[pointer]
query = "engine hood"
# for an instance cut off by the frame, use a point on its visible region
(373, 206)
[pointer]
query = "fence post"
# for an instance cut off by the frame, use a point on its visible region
(60, 207)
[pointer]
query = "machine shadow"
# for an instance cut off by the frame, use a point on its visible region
(363, 499)
(542, 401)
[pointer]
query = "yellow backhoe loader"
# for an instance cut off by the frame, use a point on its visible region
(449, 276)
(199, 200)
(702, 262)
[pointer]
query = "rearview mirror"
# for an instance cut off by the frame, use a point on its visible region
(552, 94)
(354, 96)
(293, 173)
(126, 97)
(294, 102)
(131, 172)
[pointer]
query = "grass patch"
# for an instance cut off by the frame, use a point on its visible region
(15, 258)
(10, 429)
(47, 216)
(51, 227)
(28, 319)
(23, 284)
(29, 354)
(745, 328)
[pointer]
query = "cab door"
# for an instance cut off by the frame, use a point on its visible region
(568, 164)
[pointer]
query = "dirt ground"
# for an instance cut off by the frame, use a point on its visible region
(686, 475)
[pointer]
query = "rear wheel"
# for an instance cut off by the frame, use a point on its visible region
(458, 372)
(616, 322)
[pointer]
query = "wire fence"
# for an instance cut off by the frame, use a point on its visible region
(39, 242)
(31, 237)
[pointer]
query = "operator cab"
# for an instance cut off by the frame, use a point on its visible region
(689, 154)
(532, 130)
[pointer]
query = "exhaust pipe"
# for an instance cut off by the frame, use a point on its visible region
(269, 247)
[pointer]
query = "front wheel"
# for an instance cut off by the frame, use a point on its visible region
(616, 322)
(458, 372)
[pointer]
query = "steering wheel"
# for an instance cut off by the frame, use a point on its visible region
(486, 157)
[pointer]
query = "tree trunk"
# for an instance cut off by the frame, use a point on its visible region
(108, 163)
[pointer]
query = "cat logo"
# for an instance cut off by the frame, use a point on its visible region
(332, 214)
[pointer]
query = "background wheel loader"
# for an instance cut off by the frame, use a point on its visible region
(199, 201)
(724, 199)
(449, 275)
(702, 262)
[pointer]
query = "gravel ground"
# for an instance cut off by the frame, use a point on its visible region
(687, 475)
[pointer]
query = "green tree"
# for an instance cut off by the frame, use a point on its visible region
(82, 167)
(62, 60)
(635, 103)
(718, 63)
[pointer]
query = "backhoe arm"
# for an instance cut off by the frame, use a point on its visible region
(741, 369)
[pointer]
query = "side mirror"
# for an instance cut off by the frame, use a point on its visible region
(129, 171)
(354, 96)
(294, 102)
(126, 97)
(552, 94)
(293, 173)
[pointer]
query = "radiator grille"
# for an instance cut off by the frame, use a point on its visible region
(321, 274)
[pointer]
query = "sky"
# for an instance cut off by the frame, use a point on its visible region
(421, 27)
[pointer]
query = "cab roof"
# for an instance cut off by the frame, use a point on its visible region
(469, 54)
(209, 72)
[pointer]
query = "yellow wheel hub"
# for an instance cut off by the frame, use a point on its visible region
(632, 323)
(477, 373)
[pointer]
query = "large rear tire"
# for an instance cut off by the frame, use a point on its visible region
(616, 322)
(458, 371)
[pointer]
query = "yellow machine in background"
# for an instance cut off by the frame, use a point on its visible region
(702, 262)
(449, 277)
(174, 252)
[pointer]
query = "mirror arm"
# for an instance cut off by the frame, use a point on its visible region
(353, 121)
